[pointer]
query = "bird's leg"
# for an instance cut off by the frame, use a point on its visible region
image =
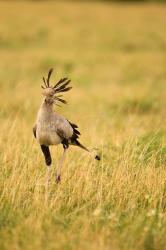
(48, 160)
(48, 177)
(58, 178)
(46, 153)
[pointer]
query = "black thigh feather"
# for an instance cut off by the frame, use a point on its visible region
(47, 155)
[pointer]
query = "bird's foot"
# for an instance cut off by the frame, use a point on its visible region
(58, 179)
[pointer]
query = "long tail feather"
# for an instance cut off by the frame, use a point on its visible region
(77, 143)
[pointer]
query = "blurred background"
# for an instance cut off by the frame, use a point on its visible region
(115, 54)
(113, 51)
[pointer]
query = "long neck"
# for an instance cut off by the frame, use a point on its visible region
(47, 106)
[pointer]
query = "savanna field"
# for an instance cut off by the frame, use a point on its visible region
(115, 55)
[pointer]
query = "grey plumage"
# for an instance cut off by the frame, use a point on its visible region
(52, 128)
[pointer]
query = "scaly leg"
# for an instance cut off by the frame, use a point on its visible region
(58, 178)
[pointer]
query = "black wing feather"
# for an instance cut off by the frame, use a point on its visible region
(76, 133)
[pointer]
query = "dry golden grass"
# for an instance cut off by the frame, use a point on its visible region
(116, 57)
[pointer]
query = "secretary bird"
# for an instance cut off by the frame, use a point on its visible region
(52, 128)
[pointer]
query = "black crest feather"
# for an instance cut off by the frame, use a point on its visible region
(60, 87)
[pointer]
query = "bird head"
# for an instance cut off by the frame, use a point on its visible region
(51, 92)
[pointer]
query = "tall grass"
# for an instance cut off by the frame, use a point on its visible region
(115, 56)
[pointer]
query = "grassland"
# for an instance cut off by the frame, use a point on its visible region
(116, 57)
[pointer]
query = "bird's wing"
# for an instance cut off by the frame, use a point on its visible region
(63, 127)
(75, 137)
(61, 133)
(68, 138)
(76, 133)
(34, 130)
